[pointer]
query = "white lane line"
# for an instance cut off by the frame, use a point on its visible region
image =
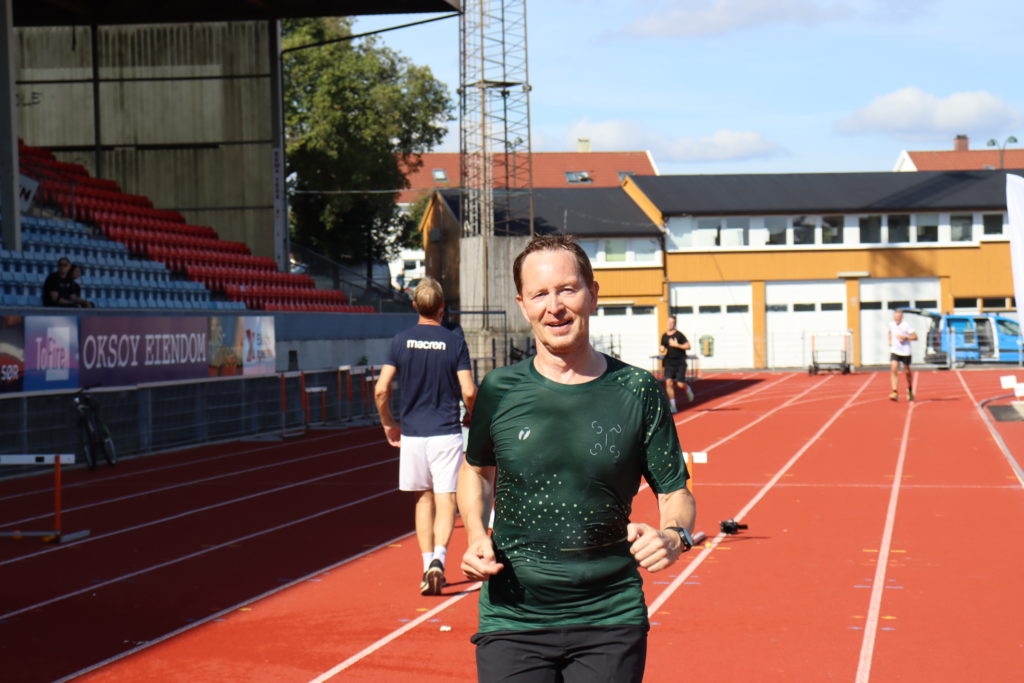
(190, 482)
(199, 553)
(740, 397)
(867, 647)
(996, 436)
(194, 511)
(337, 669)
(107, 478)
(711, 545)
(768, 414)
(229, 610)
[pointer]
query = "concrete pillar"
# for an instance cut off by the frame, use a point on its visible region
(10, 214)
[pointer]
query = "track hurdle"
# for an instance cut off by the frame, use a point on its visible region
(694, 458)
(56, 535)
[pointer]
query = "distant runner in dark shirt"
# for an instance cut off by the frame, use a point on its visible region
(433, 370)
(674, 346)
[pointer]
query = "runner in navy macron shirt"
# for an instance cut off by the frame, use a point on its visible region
(433, 371)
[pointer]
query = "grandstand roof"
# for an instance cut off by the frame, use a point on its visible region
(824, 192)
(602, 169)
(85, 12)
(588, 211)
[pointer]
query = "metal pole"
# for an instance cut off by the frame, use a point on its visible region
(10, 215)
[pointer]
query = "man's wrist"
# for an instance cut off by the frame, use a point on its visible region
(684, 536)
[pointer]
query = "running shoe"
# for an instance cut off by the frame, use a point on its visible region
(433, 579)
(910, 394)
(689, 393)
(894, 396)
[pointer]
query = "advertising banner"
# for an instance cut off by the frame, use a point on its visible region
(51, 352)
(258, 345)
(12, 353)
(125, 350)
(225, 346)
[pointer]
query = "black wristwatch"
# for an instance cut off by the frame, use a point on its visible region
(684, 537)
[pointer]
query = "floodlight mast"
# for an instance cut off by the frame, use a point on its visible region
(494, 90)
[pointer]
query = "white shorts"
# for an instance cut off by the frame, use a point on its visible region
(430, 463)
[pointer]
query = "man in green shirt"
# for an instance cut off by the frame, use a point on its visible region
(561, 441)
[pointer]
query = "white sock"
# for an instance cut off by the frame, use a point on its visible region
(672, 404)
(440, 553)
(427, 557)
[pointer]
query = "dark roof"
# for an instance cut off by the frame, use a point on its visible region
(85, 12)
(584, 211)
(825, 192)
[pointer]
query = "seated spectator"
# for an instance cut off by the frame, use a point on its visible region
(75, 290)
(57, 287)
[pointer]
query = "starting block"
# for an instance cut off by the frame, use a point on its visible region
(55, 535)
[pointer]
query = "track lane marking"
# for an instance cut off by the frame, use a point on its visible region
(867, 647)
(713, 543)
(370, 649)
(170, 487)
(193, 511)
(996, 436)
(198, 553)
(740, 397)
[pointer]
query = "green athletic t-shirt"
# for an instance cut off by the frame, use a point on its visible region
(569, 459)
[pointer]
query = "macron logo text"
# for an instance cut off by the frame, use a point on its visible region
(431, 345)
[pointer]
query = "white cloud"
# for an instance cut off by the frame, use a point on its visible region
(723, 145)
(913, 111)
(719, 17)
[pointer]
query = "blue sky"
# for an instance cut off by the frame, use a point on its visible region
(757, 86)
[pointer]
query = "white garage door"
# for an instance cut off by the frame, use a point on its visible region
(878, 297)
(800, 311)
(719, 312)
(629, 332)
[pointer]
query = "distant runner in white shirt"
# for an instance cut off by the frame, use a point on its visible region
(900, 336)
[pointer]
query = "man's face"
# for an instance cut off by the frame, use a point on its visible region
(556, 301)
(671, 323)
(63, 266)
(897, 317)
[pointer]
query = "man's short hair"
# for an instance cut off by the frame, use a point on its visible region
(428, 297)
(554, 243)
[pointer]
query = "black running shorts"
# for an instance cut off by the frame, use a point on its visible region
(581, 654)
(900, 359)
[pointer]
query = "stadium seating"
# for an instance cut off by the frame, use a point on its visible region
(134, 255)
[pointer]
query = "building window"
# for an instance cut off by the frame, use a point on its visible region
(776, 227)
(870, 305)
(643, 310)
(590, 247)
(926, 304)
(832, 306)
(576, 177)
(832, 229)
(961, 228)
(680, 310)
(927, 227)
(645, 249)
(615, 251)
(899, 228)
(803, 308)
(708, 232)
(870, 229)
(613, 310)
(709, 309)
(965, 302)
(777, 308)
(736, 231)
(993, 223)
(737, 308)
(803, 230)
(993, 302)
(440, 175)
(893, 305)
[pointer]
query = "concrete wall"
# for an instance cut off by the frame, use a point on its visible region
(185, 115)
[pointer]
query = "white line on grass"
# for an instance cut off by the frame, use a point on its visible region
(708, 548)
(867, 647)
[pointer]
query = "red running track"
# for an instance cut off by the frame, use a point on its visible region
(882, 545)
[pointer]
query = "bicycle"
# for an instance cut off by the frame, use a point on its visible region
(93, 433)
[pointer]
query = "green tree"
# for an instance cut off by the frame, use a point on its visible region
(356, 114)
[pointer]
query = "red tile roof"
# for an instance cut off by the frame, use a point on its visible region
(549, 169)
(969, 160)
